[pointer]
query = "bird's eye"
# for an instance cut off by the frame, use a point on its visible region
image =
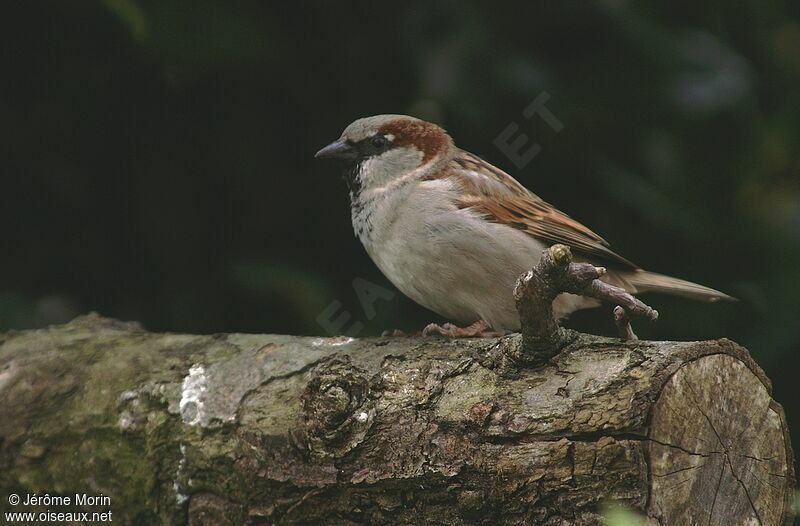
(379, 141)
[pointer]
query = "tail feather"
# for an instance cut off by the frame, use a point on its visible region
(644, 281)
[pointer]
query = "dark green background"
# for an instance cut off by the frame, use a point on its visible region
(157, 156)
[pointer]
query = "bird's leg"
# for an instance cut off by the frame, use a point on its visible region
(479, 329)
(623, 323)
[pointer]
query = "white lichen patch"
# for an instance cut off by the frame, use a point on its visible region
(194, 386)
(335, 341)
(125, 420)
(180, 496)
(127, 395)
(7, 374)
(362, 416)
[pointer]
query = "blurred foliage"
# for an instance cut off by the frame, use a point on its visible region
(157, 154)
(131, 13)
(617, 515)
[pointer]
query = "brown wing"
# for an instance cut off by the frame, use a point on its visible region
(502, 199)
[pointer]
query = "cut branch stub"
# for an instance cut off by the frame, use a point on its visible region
(708, 445)
(542, 336)
(623, 323)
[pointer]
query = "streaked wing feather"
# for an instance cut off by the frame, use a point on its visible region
(502, 199)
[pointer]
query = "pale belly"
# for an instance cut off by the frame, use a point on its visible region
(462, 268)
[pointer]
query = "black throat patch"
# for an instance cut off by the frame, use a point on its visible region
(351, 179)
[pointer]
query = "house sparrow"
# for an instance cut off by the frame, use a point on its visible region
(454, 233)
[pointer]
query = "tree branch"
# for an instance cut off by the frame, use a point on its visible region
(542, 336)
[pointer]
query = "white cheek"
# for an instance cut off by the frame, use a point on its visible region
(366, 168)
(393, 163)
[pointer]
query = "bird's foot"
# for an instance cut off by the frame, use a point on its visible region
(479, 329)
(397, 333)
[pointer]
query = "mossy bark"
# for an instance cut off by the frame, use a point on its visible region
(265, 429)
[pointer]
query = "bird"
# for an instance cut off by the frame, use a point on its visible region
(453, 232)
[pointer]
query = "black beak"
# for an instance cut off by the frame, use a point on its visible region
(340, 149)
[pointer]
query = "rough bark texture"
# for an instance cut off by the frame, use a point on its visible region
(264, 429)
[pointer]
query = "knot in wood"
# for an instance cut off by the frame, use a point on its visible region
(332, 405)
(337, 411)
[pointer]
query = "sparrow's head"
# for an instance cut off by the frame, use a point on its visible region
(376, 150)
